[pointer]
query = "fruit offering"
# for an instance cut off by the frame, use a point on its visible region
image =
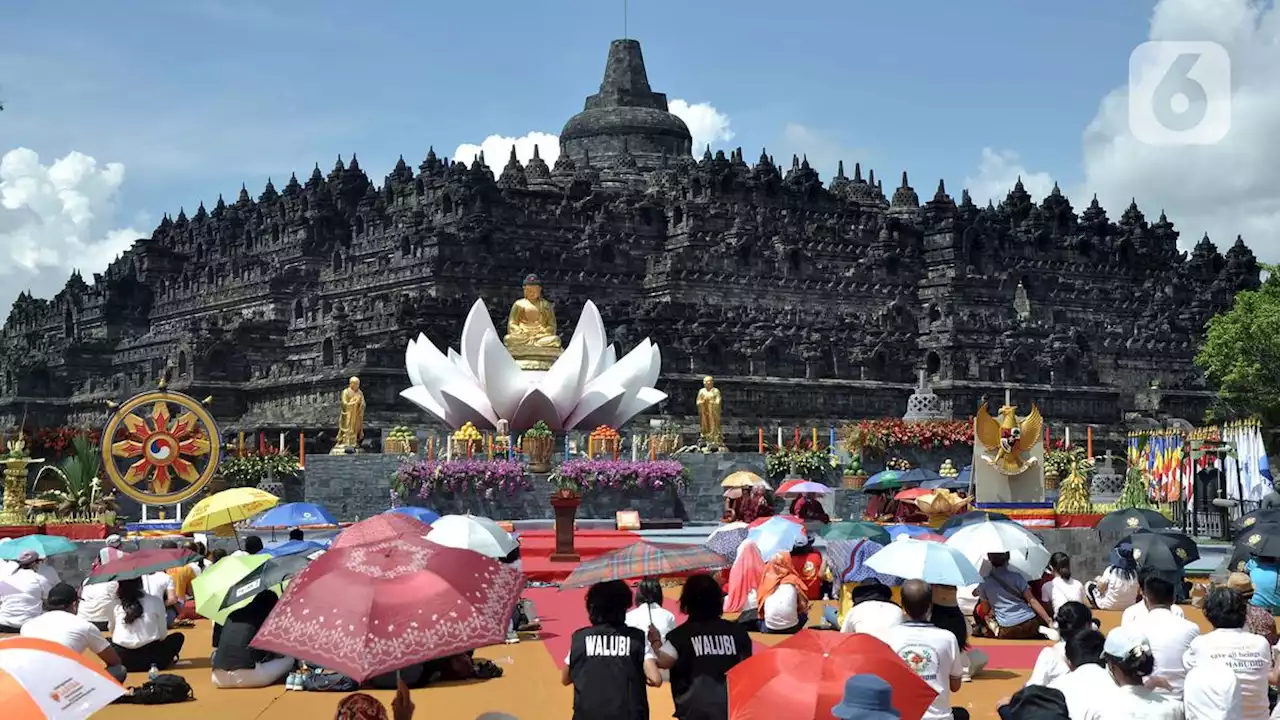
(948, 470)
(467, 432)
(401, 434)
(854, 466)
(899, 464)
(604, 432)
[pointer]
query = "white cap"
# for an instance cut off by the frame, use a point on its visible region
(1123, 642)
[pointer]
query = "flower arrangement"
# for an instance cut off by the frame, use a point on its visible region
(876, 436)
(809, 463)
(81, 498)
(55, 443)
(581, 475)
(486, 478)
(248, 470)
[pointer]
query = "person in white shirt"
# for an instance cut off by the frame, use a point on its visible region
(46, 570)
(28, 589)
(873, 612)
(649, 612)
(1062, 589)
(1212, 692)
(1117, 587)
(1139, 611)
(927, 649)
(62, 625)
(97, 600)
(783, 605)
(1051, 663)
(138, 629)
(1086, 686)
(1170, 636)
(1248, 655)
(1129, 660)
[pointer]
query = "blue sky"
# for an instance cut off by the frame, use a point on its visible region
(194, 97)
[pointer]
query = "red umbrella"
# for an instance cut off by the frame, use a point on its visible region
(380, 527)
(762, 520)
(784, 487)
(366, 610)
(912, 494)
(802, 677)
(142, 563)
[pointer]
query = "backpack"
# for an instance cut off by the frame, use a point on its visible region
(165, 689)
(329, 682)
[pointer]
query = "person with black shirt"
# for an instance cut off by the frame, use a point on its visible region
(606, 664)
(235, 664)
(699, 652)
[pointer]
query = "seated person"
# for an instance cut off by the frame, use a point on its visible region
(235, 664)
(1015, 612)
(138, 629)
(782, 600)
(62, 625)
(873, 611)
(295, 534)
(1117, 587)
(24, 600)
(808, 564)
(97, 601)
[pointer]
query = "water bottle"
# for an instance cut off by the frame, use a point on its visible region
(153, 673)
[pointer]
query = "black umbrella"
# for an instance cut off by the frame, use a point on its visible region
(971, 517)
(1261, 540)
(1132, 519)
(1240, 557)
(267, 576)
(1261, 515)
(1162, 551)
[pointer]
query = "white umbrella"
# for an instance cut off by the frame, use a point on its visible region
(468, 532)
(1026, 553)
(931, 562)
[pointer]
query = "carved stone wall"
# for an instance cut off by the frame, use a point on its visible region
(804, 299)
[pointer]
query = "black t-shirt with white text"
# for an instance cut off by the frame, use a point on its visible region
(705, 651)
(606, 663)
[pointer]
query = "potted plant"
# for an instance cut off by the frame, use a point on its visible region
(400, 441)
(82, 510)
(538, 442)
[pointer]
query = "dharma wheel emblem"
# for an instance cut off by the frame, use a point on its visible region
(1137, 553)
(161, 447)
(1250, 521)
(1254, 539)
(1181, 553)
(1133, 522)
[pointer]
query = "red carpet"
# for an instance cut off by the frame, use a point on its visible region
(536, 547)
(563, 611)
(1021, 656)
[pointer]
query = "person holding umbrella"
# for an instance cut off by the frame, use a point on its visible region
(139, 628)
(605, 664)
(927, 649)
(700, 652)
(235, 664)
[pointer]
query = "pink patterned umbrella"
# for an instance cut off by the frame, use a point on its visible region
(371, 609)
(380, 527)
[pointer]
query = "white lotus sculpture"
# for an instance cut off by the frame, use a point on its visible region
(587, 386)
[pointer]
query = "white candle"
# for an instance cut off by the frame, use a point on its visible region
(448, 447)
(1007, 397)
(635, 446)
(281, 441)
(779, 436)
(1067, 437)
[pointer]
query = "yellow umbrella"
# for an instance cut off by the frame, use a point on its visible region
(743, 479)
(227, 507)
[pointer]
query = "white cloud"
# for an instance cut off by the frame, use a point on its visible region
(707, 125)
(1226, 189)
(998, 172)
(56, 218)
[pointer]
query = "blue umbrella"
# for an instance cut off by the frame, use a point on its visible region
(43, 545)
(918, 476)
(293, 515)
(295, 547)
(912, 531)
(777, 535)
(421, 514)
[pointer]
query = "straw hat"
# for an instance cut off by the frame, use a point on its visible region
(1241, 583)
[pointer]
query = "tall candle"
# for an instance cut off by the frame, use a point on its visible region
(796, 440)
(1046, 437)
(281, 441)
(831, 443)
(779, 436)
(761, 441)
(511, 442)
(302, 450)
(489, 444)
(431, 447)
(1088, 440)
(635, 447)
(240, 451)
(653, 448)
(1068, 436)
(814, 441)
(262, 442)
(448, 448)
(566, 446)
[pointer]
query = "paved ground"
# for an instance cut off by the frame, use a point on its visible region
(530, 688)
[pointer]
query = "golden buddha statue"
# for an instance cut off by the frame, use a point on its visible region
(531, 329)
(712, 437)
(351, 419)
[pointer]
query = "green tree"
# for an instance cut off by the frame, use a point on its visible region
(1241, 353)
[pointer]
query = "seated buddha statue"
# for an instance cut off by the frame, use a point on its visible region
(531, 329)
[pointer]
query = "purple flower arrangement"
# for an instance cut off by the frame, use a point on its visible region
(583, 475)
(486, 477)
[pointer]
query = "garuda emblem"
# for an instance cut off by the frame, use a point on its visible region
(1006, 440)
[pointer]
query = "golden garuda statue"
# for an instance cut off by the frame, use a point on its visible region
(531, 329)
(1007, 440)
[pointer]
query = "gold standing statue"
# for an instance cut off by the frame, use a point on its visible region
(351, 420)
(709, 415)
(531, 329)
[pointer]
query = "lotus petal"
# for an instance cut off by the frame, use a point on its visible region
(436, 371)
(420, 396)
(563, 382)
(644, 399)
(500, 376)
(590, 328)
(411, 361)
(467, 403)
(536, 406)
(474, 328)
(600, 399)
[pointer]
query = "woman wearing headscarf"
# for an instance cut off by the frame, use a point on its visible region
(782, 603)
(744, 580)
(359, 706)
(1117, 587)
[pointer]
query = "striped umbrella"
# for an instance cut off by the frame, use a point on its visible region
(41, 679)
(726, 541)
(643, 560)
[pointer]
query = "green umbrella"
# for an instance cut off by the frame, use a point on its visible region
(856, 531)
(43, 545)
(213, 584)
